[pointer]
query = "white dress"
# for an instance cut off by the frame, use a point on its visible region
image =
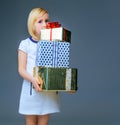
(37, 103)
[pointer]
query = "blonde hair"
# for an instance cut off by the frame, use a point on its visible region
(33, 15)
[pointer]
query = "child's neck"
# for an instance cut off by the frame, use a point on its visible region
(35, 39)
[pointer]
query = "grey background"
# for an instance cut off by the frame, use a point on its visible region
(95, 51)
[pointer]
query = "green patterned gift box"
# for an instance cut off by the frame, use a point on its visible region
(57, 79)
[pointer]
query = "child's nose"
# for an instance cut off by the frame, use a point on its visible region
(44, 24)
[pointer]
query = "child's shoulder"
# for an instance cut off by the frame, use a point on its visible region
(25, 40)
(23, 45)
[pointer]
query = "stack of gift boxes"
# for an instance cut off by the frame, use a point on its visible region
(52, 59)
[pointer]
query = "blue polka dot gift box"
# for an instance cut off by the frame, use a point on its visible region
(53, 54)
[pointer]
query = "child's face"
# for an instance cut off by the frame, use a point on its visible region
(40, 23)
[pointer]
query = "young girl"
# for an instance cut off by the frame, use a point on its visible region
(37, 106)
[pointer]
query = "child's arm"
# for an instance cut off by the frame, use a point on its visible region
(22, 60)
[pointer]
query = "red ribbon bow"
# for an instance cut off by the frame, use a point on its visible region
(53, 25)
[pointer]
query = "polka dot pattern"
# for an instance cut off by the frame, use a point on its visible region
(53, 54)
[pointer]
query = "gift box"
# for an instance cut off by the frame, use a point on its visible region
(54, 32)
(53, 54)
(57, 79)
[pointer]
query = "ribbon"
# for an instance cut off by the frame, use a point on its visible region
(68, 79)
(53, 25)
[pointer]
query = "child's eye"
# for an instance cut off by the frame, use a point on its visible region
(46, 21)
(40, 21)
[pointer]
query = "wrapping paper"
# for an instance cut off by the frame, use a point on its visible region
(57, 79)
(53, 54)
(56, 34)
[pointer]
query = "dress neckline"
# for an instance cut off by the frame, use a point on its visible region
(34, 41)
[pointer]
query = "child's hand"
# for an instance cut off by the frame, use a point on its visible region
(41, 82)
(37, 83)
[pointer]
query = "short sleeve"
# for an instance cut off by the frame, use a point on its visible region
(23, 46)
